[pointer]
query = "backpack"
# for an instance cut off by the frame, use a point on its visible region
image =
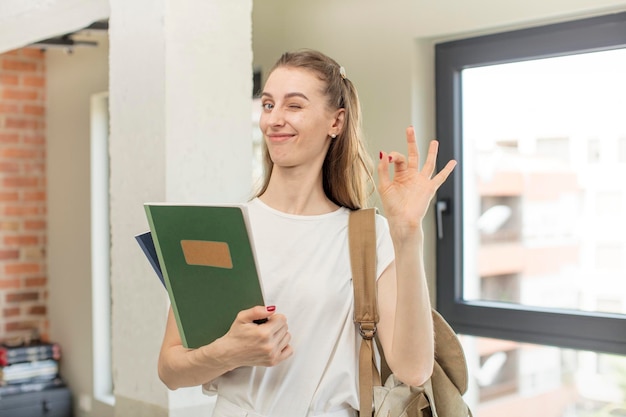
(442, 394)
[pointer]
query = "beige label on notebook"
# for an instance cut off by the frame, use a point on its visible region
(206, 253)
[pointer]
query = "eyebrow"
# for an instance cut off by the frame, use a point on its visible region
(288, 95)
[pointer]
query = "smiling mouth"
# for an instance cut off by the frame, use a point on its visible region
(280, 137)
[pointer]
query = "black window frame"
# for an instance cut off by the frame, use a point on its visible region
(602, 332)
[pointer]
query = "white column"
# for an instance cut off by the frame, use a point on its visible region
(180, 99)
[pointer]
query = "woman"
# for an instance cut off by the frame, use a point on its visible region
(303, 360)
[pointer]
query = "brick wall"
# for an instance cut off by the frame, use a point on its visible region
(23, 281)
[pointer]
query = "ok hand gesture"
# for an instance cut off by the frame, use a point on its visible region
(406, 195)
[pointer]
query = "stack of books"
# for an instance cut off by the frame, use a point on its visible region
(205, 258)
(27, 368)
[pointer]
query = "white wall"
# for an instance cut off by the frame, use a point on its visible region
(71, 80)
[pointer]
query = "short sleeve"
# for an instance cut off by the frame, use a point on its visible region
(384, 245)
(210, 388)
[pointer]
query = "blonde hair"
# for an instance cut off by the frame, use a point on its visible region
(346, 172)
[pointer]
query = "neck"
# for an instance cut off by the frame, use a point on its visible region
(300, 193)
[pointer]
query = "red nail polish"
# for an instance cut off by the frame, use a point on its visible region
(270, 308)
(390, 158)
(380, 155)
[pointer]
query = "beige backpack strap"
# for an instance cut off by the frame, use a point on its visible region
(362, 241)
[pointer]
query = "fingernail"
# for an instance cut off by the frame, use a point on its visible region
(380, 155)
(270, 308)
(390, 158)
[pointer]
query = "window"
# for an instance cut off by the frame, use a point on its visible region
(100, 244)
(531, 228)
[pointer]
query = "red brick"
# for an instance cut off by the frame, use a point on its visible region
(9, 196)
(23, 278)
(33, 81)
(9, 79)
(9, 167)
(10, 283)
(20, 325)
(9, 138)
(18, 65)
(21, 182)
(15, 94)
(21, 210)
(34, 254)
(9, 254)
(34, 225)
(9, 226)
(35, 196)
(22, 268)
(33, 52)
(6, 108)
(35, 168)
(34, 140)
(37, 310)
(34, 110)
(9, 153)
(21, 123)
(11, 312)
(35, 282)
(21, 240)
(17, 297)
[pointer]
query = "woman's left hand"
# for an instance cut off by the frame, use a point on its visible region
(407, 195)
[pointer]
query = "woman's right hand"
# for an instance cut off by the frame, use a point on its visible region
(252, 344)
(245, 344)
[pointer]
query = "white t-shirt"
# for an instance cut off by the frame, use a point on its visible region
(304, 264)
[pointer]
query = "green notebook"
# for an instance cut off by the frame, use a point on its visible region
(208, 264)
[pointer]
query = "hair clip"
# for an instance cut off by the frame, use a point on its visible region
(342, 72)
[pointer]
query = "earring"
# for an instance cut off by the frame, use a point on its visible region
(333, 136)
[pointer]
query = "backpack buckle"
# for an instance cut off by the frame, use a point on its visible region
(367, 330)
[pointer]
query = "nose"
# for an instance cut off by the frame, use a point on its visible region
(275, 117)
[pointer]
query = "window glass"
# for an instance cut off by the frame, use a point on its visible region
(520, 379)
(543, 188)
